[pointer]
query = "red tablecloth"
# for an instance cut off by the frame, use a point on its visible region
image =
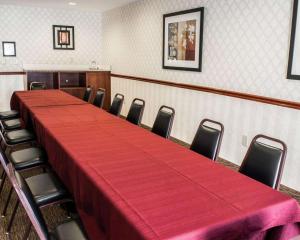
(22, 101)
(131, 184)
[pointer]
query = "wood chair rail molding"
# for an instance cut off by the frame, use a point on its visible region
(12, 73)
(246, 96)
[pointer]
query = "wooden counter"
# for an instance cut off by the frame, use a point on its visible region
(73, 82)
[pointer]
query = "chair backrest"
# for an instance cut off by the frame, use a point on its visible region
(207, 140)
(99, 98)
(37, 86)
(87, 94)
(117, 104)
(136, 111)
(164, 121)
(27, 200)
(263, 162)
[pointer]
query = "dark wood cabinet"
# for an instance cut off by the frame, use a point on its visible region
(97, 80)
(74, 82)
(72, 79)
(49, 78)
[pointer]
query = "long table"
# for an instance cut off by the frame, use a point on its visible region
(130, 184)
(23, 101)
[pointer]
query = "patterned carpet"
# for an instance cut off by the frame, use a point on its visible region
(55, 215)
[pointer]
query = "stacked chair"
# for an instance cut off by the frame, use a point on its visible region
(9, 120)
(71, 229)
(117, 105)
(44, 189)
(37, 86)
(136, 111)
(99, 98)
(6, 115)
(87, 94)
(15, 136)
(264, 162)
(208, 139)
(37, 192)
(164, 121)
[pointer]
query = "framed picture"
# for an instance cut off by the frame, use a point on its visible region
(183, 40)
(9, 49)
(63, 37)
(293, 71)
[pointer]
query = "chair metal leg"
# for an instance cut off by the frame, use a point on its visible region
(2, 174)
(2, 182)
(7, 202)
(27, 231)
(12, 217)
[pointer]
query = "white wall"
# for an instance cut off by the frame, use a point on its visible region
(9, 84)
(31, 29)
(246, 46)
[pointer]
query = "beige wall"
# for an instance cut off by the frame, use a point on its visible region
(31, 29)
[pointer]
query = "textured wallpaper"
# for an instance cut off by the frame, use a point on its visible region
(31, 28)
(246, 45)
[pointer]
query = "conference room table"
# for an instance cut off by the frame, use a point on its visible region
(23, 101)
(130, 184)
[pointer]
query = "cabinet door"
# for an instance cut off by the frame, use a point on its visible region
(100, 80)
(49, 78)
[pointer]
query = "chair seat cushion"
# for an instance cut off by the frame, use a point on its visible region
(19, 136)
(12, 124)
(69, 231)
(28, 158)
(9, 114)
(46, 188)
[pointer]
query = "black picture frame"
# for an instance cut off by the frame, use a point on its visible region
(4, 52)
(57, 42)
(200, 10)
(290, 74)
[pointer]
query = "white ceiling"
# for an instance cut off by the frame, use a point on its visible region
(86, 5)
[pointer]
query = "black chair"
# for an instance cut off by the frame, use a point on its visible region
(263, 162)
(99, 98)
(46, 190)
(12, 139)
(23, 160)
(11, 124)
(164, 121)
(37, 86)
(117, 104)
(6, 115)
(87, 94)
(207, 140)
(68, 230)
(136, 111)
